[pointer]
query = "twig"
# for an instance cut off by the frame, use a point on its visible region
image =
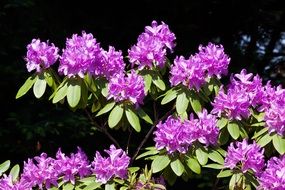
(102, 129)
(129, 140)
(150, 132)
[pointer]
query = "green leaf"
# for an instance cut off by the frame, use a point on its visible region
(260, 124)
(60, 93)
(177, 167)
(158, 82)
(195, 103)
(73, 93)
(235, 181)
(115, 116)
(223, 136)
(133, 119)
(222, 122)
(159, 163)
(169, 175)
(279, 143)
(225, 173)
(4, 167)
(144, 116)
(26, 86)
(40, 86)
(214, 166)
(216, 157)
(68, 186)
(106, 108)
(147, 82)
(194, 165)
(109, 186)
(133, 169)
(96, 106)
(233, 129)
(264, 140)
(169, 96)
(92, 185)
(147, 153)
(15, 172)
(181, 103)
(202, 155)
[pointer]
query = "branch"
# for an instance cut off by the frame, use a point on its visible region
(150, 132)
(102, 129)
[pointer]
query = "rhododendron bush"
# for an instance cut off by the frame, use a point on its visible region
(235, 129)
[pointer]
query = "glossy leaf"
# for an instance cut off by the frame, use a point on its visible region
(194, 165)
(225, 173)
(169, 96)
(68, 186)
(26, 86)
(158, 82)
(115, 116)
(181, 103)
(15, 172)
(39, 87)
(234, 130)
(177, 167)
(159, 163)
(60, 93)
(214, 166)
(4, 166)
(222, 122)
(108, 107)
(202, 155)
(216, 157)
(73, 93)
(133, 119)
(147, 153)
(279, 144)
(141, 113)
(147, 82)
(264, 140)
(195, 103)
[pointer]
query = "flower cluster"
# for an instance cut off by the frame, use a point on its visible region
(193, 72)
(40, 55)
(130, 88)
(113, 166)
(7, 183)
(84, 55)
(69, 167)
(273, 178)
(151, 47)
(244, 156)
(177, 135)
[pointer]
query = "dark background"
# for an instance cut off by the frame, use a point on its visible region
(252, 32)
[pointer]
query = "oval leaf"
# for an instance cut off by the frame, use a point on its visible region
(115, 116)
(177, 167)
(216, 157)
(144, 116)
(194, 165)
(264, 140)
(4, 166)
(222, 122)
(214, 166)
(279, 144)
(133, 119)
(15, 172)
(106, 108)
(73, 93)
(40, 86)
(181, 103)
(68, 186)
(26, 86)
(159, 163)
(158, 82)
(225, 173)
(195, 103)
(202, 155)
(169, 96)
(147, 82)
(60, 93)
(233, 129)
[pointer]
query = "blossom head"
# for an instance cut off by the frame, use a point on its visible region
(69, 167)
(7, 183)
(214, 59)
(152, 45)
(273, 178)
(244, 156)
(208, 130)
(79, 56)
(130, 88)
(115, 165)
(40, 55)
(175, 135)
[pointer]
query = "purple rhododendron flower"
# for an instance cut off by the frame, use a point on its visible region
(275, 114)
(273, 178)
(115, 165)
(245, 156)
(130, 88)
(234, 104)
(79, 56)
(69, 167)
(175, 135)
(193, 72)
(40, 55)
(108, 63)
(6, 183)
(208, 130)
(40, 172)
(151, 46)
(214, 59)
